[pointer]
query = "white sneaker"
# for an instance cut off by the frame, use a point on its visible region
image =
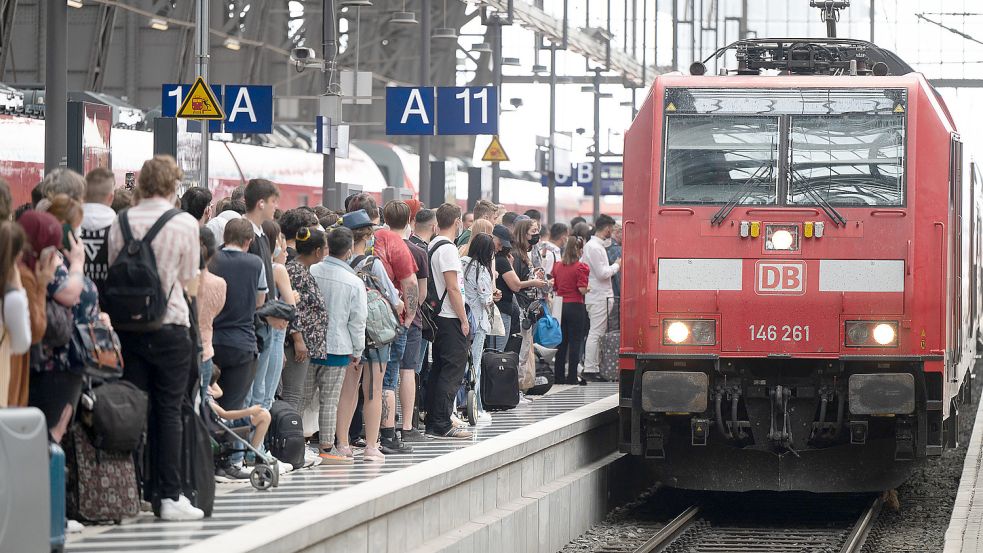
(283, 467)
(182, 509)
(523, 399)
(73, 527)
(484, 417)
(456, 421)
(311, 458)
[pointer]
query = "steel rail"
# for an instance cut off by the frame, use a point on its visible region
(858, 535)
(669, 532)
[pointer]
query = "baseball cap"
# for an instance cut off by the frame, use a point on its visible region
(356, 219)
(504, 236)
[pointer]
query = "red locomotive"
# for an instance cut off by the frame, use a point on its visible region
(802, 272)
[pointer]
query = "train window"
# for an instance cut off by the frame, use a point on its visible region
(715, 159)
(847, 160)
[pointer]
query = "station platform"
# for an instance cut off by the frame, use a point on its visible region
(405, 503)
(965, 532)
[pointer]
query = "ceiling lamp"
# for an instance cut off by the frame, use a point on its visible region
(355, 3)
(158, 24)
(481, 48)
(587, 88)
(233, 44)
(511, 61)
(539, 68)
(74, 3)
(403, 18)
(445, 33)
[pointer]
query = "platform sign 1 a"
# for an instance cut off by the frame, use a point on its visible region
(467, 110)
(410, 110)
(248, 108)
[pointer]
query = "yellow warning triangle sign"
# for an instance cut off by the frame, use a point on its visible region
(495, 152)
(671, 107)
(899, 109)
(200, 103)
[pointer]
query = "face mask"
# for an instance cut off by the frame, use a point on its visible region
(606, 242)
(534, 240)
(370, 242)
(277, 252)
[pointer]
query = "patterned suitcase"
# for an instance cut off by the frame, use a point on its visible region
(102, 485)
(608, 361)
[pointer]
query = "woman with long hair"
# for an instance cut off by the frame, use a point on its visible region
(268, 377)
(478, 291)
(15, 321)
(570, 282)
(481, 226)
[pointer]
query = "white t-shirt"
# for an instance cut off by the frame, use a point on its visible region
(445, 259)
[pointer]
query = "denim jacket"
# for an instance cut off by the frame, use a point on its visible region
(344, 300)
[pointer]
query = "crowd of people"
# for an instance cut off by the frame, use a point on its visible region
(366, 318)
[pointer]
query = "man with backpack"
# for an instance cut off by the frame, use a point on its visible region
(445, 304)
(156, 340)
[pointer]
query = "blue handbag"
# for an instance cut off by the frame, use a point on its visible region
(547, 333)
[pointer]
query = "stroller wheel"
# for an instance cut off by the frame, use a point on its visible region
(263, 477)
(472, 408)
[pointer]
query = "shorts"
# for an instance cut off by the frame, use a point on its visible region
(411, 353)
(390, 380)
(376, 355)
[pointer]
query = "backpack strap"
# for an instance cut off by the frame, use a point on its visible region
(356, 260)
(124, 226)
(159, 224)
(430, 263)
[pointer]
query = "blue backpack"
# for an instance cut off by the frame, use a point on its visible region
(547, 333)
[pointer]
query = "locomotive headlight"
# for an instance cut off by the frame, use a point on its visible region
(781, 240)
(884, 334)
(871, 334)
(677, 332)
(693, 332)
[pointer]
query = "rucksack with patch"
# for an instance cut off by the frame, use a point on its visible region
(381, 321)
(433, 303)
(133, 294)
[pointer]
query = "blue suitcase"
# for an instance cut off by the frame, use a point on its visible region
(57, 469)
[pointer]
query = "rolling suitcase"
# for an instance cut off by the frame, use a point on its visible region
(102, 485)
(57, 478)
(610, 345)
(499, 380)
(25, 514)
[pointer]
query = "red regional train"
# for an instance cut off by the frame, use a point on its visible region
(802, 272)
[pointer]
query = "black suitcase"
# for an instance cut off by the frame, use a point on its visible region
(197, 464)
(285, 439)
(499, 380)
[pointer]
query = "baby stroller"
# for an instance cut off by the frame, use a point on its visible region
(467, 397)
(231, 440)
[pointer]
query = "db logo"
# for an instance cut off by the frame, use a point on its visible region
(786, 277)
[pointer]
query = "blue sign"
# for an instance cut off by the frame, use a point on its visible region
(172, 95)
(410, 110)
(467, 110)
(582, 174)
(248, 109)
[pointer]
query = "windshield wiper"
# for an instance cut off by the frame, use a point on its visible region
(799, 184)
(721, 215)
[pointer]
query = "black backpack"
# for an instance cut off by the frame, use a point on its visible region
(285, 439)
(133, 295)
(433, 303)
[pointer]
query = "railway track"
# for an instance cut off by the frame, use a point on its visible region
(698, 530)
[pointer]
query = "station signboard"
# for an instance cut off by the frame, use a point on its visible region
(248, 108)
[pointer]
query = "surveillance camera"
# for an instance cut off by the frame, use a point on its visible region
(581, 130)
(303, 54)
(516, 102)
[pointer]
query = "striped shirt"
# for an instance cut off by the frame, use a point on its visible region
(176, 248)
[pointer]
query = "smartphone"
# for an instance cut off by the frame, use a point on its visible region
(66, 231)
(131, 180)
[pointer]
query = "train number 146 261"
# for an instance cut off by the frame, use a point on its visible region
(776, 333)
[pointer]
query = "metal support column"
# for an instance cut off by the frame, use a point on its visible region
(56, 87)
(597, 143)
(329, 189)
(7, 11)
(424, 185)
(497, 78)
(201, 49)
(873, 14)
(551, 183)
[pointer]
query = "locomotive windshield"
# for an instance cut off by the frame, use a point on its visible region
(712, 158)
(847, 160)
(838, 147)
